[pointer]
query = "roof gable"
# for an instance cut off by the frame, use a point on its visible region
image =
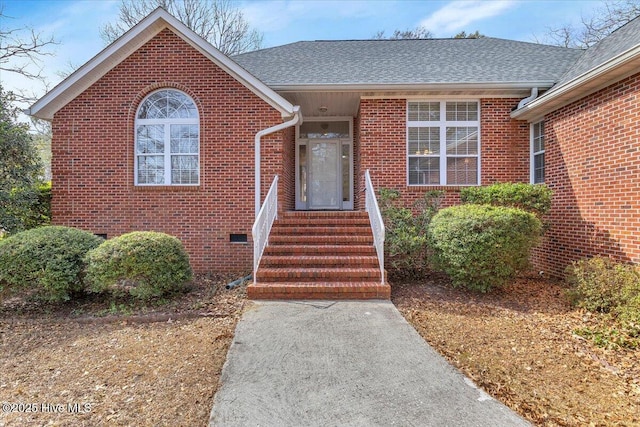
(132, 40)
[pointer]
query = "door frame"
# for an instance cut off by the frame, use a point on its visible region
(346, 205)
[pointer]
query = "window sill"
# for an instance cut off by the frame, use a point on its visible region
(166, 188)
(446, 188)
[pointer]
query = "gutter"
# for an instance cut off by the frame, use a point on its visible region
(525, 101)
(297, 118)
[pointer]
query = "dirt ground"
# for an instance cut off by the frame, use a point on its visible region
(98, 362)
(519, 345)
(105, 363)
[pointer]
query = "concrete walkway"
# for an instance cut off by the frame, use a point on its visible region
(343, 364)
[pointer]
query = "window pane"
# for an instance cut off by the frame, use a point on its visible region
(462, 171)
(184, 169)
(316, 130)
(424, 111)
(424, 170)
(346, 172)
(538, 129)
(424, 140)
(462, 140)
(184, 139)
(302, 183)
(462, 111)
(538, 168)
(150, 169)
(167, 104)
(150, 139)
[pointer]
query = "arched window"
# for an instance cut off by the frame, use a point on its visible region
(167, 140)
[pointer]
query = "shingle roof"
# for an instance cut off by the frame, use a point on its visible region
(619, 41)
(378, 62)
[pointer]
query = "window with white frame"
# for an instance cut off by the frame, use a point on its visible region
(443, 142)
(167, 140)
(537, 153)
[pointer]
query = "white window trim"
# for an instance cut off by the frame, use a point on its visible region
(533, 154)
(442, 124)
(167, 143)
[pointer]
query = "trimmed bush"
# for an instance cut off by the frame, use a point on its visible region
(528, 197)
(603, 285)
(47, 259)
(480, 246)
(145, 264)
(406, 247)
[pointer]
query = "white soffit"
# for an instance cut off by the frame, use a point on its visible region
(128, 43)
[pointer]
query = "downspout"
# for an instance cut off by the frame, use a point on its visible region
(297, 118)
(525, 101)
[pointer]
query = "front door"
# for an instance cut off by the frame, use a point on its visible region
(324, 166)
(324, 186)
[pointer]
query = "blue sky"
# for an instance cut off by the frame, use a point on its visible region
(75, 23)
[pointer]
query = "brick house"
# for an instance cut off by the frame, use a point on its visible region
(160, 131)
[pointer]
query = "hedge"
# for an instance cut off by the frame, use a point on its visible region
(145, 264)
(480, 246)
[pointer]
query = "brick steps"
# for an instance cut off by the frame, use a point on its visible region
(345, 239)
(300, 250)
(320, 290)
(320, 261)
(320, 230)
(320, 255)
(309, 274)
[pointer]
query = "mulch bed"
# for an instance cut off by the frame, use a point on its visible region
(96, 361)
(99, 362)
(519, 344)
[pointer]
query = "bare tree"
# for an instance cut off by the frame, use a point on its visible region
(18, 54)
(417, 33)
(217, 21)
(465, 35)
(603, 21)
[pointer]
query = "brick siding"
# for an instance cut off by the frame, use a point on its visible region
(381, 138)
(592, 154)
(93, 155)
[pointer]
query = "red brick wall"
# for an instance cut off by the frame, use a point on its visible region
(592, 153)
(93, 156)
(382, 140)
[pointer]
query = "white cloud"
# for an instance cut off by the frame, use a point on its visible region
(457, 15)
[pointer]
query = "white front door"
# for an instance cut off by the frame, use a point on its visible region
(324, 180)
(324, 164)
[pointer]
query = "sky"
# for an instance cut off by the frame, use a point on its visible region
(75, 24)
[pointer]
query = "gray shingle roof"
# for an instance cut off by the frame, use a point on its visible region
(619, 41)
(379, 62)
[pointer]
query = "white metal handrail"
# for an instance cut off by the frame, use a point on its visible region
(262, 225)
(375, 218)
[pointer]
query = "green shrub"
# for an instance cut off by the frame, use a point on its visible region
(528, 197)
(24, 208)
(480, 246)
(145, 264)
(40, 212)
(46, 259)
(407, 251)
(603, 285)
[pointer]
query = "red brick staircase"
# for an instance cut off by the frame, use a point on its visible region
(320, 255)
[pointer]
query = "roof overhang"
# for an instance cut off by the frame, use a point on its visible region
(344, 99)
(616, 69)
(503, 88)
(132, 40)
